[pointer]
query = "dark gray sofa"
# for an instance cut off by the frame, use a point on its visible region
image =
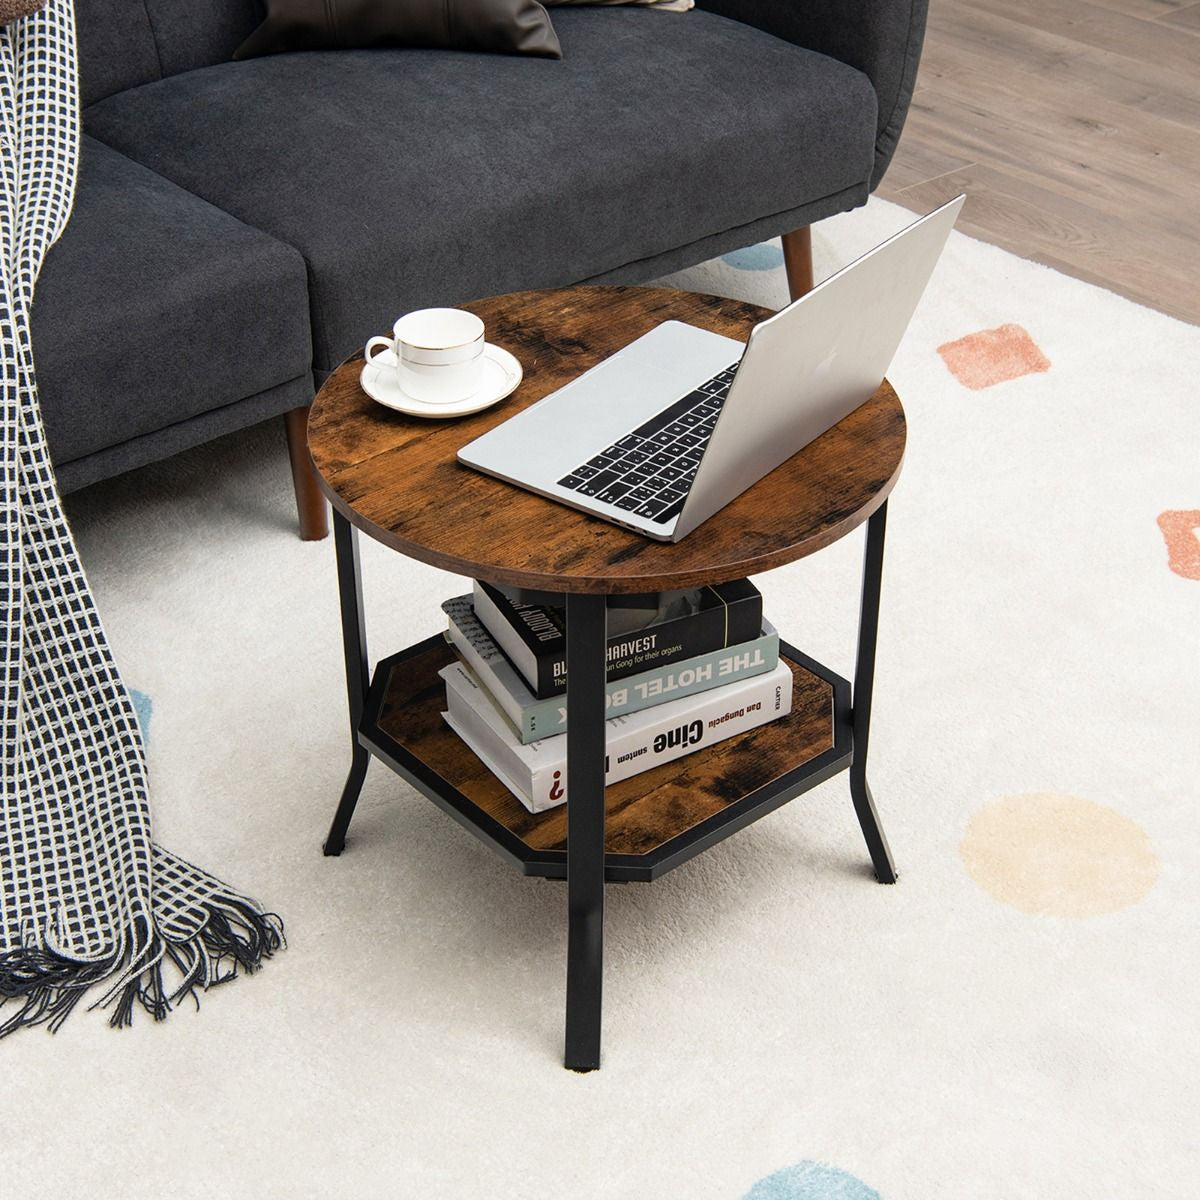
(241, 228)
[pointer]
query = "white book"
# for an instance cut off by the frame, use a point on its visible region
(536, 773)
(533, 718)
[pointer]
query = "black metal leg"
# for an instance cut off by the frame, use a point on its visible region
(864, 679)
(335, 840)
(586, 624)
(354, 644)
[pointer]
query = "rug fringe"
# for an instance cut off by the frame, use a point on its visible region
(236, 934)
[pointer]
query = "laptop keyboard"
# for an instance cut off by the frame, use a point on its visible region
(649, 470)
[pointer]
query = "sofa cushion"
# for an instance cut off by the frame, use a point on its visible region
(412, 178)
(123, 43)
(115, 48)
(188, 34)
(155, 307)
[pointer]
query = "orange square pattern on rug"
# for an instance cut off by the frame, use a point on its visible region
(1181, 529)
(992, 356)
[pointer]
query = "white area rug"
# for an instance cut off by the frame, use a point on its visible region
(1015, 1018)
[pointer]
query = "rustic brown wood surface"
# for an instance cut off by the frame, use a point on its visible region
(641, 813)
(397, 479)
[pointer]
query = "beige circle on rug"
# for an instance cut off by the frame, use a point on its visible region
(1060, 855)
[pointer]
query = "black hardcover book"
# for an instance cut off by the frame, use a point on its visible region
(643, 631)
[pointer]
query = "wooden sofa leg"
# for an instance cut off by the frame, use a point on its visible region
(797, 261)
(310, 503)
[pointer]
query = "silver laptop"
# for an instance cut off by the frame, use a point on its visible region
(667, 431)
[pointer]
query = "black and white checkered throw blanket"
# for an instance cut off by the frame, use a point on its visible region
(87, 900)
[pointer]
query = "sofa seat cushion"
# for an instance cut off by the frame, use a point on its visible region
(410, 178)
(154, 307)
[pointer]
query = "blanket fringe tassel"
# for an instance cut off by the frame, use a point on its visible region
(236, 935)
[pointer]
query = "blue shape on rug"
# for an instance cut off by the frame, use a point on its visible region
(144, 707)
(763, 257)
(810, 1180)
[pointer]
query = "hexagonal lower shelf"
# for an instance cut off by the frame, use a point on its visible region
(653, 821)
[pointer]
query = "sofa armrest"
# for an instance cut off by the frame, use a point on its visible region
(880, 38)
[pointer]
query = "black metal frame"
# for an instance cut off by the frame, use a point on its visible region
(864, 690)
(586, 656)
(354, 647)
(585, 865)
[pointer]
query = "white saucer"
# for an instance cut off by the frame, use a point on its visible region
(501, 374)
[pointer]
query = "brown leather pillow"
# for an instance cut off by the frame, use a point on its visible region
(501, 26)
(664, 5)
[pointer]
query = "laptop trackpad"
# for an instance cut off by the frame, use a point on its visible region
(616, 396)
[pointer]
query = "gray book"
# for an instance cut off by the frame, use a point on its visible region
(532, 718)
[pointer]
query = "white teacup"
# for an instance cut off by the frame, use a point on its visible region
(437, 354)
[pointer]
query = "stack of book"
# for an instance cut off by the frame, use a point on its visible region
(685, 670)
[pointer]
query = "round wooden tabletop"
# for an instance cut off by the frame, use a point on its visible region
(397, 478)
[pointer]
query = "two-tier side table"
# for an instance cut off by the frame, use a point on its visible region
(396, 479)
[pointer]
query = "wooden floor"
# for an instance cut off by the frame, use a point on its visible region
(1074, 128)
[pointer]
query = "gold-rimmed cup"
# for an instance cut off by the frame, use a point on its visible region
(437, 354)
